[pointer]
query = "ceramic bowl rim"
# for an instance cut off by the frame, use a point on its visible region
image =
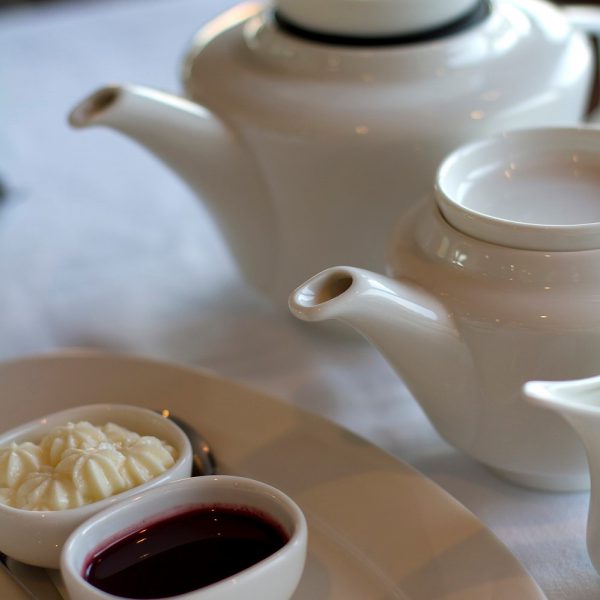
(298, 537)
(78, 513)
(505, 232)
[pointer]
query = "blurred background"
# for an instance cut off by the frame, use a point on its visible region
(102, 247)
(4, 3)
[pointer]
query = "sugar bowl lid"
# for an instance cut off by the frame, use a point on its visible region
(374, 18)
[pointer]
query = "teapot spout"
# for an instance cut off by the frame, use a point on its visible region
(204, 152)
(172, 128)
(413, 331)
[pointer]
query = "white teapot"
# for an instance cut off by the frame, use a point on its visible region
(309, 126)
(495, 283)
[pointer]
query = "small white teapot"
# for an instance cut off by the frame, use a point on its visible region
(311, 125)
(495, 283)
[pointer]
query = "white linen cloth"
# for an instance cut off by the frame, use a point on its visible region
(101, 246)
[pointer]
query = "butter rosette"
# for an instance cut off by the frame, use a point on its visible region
(96, 473)
(17, 461)
(47, 489)
(147, 458)
(7, 496)
(120, 436)
(79, 436)
(79, 463)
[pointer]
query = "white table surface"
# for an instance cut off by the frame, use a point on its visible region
(100, 246)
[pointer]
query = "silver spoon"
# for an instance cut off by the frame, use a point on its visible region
(204, 462)
(4, 566)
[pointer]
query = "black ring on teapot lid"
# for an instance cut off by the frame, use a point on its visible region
(475, 16)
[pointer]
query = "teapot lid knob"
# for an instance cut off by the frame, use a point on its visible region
(373, 18)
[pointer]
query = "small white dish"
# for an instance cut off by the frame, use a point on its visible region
(37, 537)
(273, 578)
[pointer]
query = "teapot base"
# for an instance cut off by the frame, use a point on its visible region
(547, 483)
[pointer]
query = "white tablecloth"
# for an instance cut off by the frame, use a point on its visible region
(100, 246)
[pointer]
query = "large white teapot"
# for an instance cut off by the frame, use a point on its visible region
(494, 283)
(311, 125)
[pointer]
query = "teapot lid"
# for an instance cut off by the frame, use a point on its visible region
(372, 18)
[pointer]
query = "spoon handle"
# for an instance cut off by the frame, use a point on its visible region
(19, 589)
(204, 462)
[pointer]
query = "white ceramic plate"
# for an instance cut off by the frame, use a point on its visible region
(377, 529)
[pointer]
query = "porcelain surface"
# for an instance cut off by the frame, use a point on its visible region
(274, 578)
(419, 542)
(37, 537)
(466, 323)
(526, 189)
(578, 403)
(376, 18)
(307, 152)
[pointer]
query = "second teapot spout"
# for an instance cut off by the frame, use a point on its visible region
(412, 329)
(205, 153)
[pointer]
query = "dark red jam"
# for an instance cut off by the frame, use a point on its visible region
(184, 552)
